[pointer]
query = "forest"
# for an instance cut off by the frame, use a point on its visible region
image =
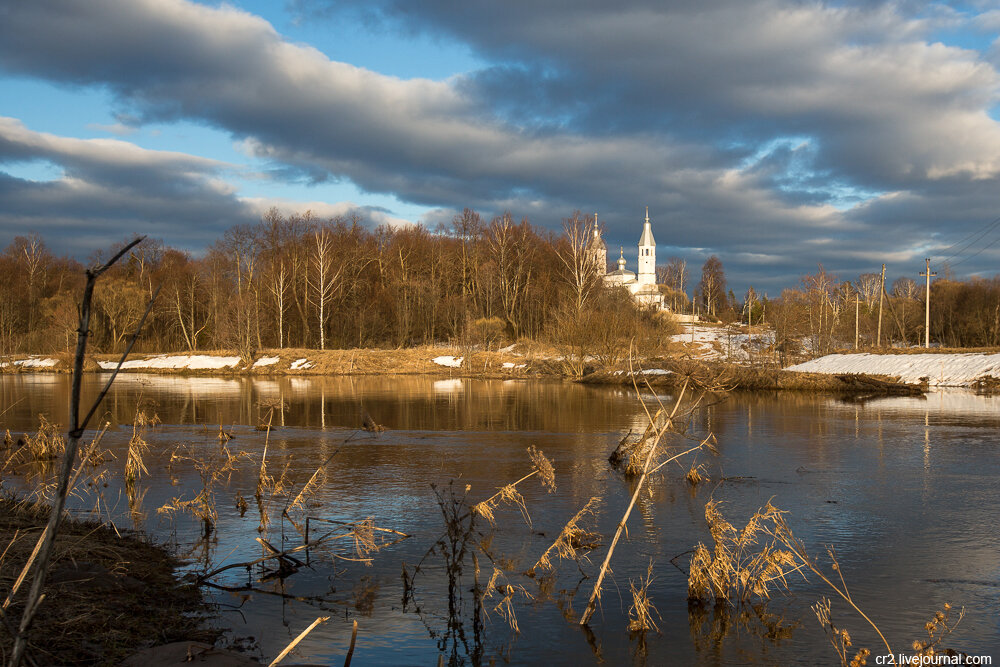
(301, 282)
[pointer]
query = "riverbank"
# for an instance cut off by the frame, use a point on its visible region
(531, 360)
(108, 594)
(934, 369)
(514, 361)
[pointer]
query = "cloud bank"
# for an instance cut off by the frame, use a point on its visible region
(799, 132)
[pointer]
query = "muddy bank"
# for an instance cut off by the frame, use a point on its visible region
(108, 594)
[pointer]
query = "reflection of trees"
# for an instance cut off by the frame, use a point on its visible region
(420, 403)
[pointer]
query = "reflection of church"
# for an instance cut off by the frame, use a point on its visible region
(641, 286)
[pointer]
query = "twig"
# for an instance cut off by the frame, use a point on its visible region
(350, 651)
(302, 635)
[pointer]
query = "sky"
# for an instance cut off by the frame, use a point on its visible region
(775, 134)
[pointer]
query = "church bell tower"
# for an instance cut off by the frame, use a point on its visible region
(647, 255)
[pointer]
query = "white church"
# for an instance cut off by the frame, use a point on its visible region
(641, 286)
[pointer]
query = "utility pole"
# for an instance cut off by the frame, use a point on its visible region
(878, 337)
(927, 307)
(857, 309)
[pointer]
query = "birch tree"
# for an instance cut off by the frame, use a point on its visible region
(577, 268)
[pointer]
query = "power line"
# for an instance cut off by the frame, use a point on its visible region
(985, 247)
(968, 241)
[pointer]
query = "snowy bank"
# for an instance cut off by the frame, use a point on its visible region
(194, 362)
(33, 362)
(941, 370)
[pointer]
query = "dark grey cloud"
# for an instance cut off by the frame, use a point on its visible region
(749, 128)
(110, 190)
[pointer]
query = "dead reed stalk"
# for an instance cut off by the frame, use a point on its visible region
(316, 480)
(784, 534)
(302, 635)
(506, 593)
(839, 638)
(570, 539)
(659, 431)
(509, 494)
(641, 613)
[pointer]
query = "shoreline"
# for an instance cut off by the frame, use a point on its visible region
(516, 362)
(99, 576)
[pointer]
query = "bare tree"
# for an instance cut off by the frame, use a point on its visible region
(675, 276)
(511, 250)
(868, 286)
(577, 267)
(324, 277)
(712, 285)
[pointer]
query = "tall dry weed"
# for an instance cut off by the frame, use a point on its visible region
(743, 564)
(641, 613)
(572, 539)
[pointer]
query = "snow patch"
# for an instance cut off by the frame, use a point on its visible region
(721, 342)
(301, 364)
(266, 361)
(450, 362)
(940, 370)
(194, 362)
(36, 362)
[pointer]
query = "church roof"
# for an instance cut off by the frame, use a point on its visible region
(647, 232)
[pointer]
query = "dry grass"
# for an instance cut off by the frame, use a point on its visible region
(939, 627)
(506, 593)
(641, 613)
(572, 538)
(743, 564)
(137, 446)
(47, 444)
(212, 469)
(839, 638)
(98, 578)
(697, 475)
(509, 494)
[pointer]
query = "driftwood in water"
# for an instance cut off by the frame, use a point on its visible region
(864, 387)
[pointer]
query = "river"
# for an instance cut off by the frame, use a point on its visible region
(904, 490)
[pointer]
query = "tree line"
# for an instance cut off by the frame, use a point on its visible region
(296, 281)
(302, 282)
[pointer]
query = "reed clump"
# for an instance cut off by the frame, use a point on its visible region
(45, 445)
(211, 470)
(137, 446)
(743, 564)
(641, 613)
(696, 475)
